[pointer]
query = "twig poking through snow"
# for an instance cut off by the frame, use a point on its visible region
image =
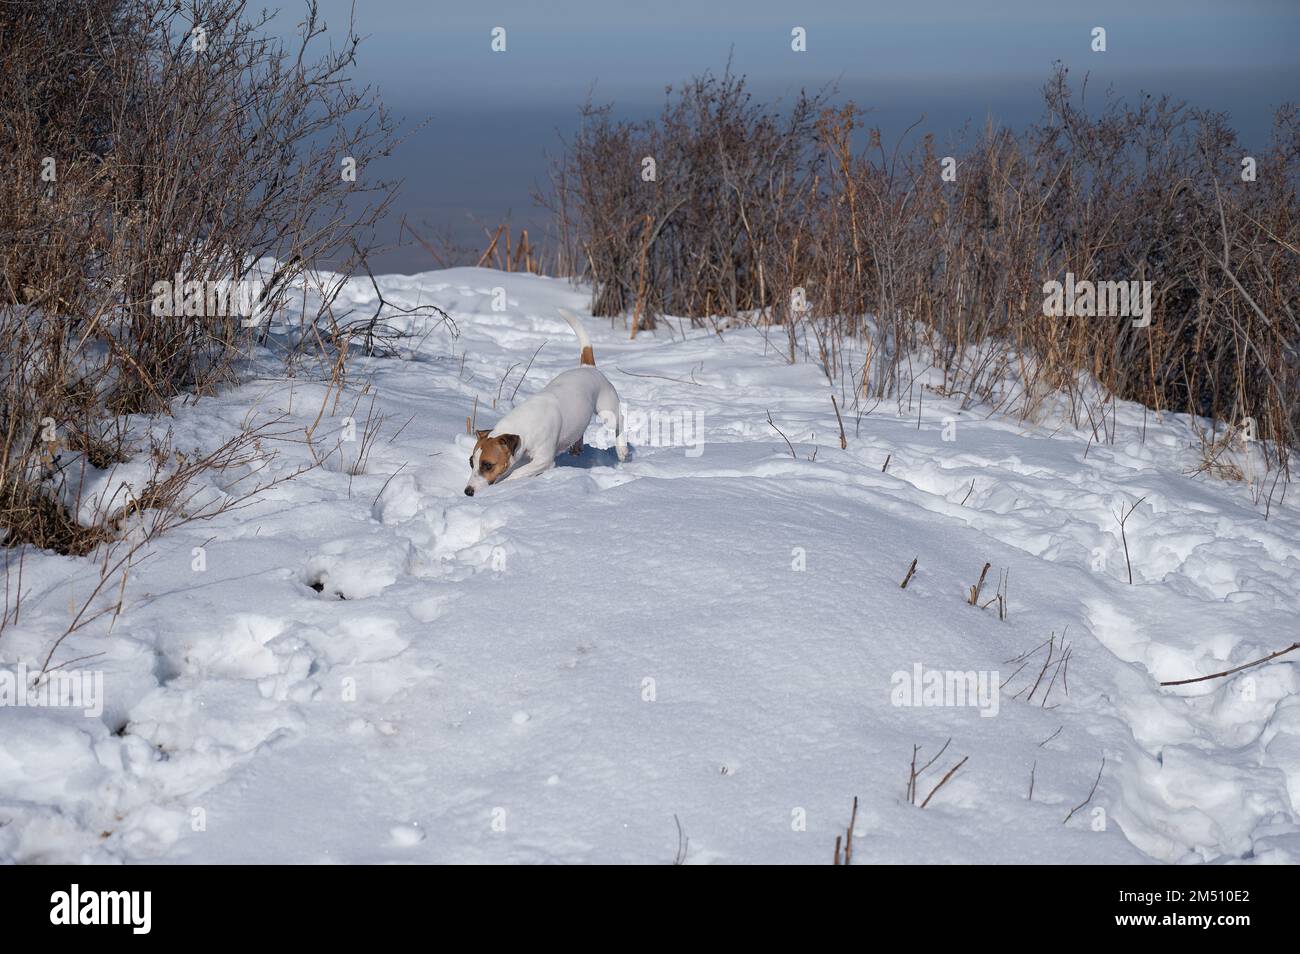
(525, 374)
(386, 483)
(1093, 792)
(783, 437)
(974, 599)
(951, 772)
(846, 840)
(914, 773)
(1229, 672)
(844, 441)
(968, 492)
(683, 843)
(662, 377)
(1123, 520)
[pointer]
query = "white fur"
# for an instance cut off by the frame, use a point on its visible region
(554, 419)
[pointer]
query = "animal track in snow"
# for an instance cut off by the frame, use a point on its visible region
(354, 568)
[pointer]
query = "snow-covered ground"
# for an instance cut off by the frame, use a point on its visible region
(552, 670)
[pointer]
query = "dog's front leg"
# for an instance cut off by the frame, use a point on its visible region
(534, 467)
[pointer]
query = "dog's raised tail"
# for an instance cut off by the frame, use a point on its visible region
(588, 356)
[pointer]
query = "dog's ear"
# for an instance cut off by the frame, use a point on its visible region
(483, 434)
(511, 441)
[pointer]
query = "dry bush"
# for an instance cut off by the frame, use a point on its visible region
(131, 520)
(148, 139)
(699, 238)
(753, 212)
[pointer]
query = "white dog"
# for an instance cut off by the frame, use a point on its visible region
(549, 422)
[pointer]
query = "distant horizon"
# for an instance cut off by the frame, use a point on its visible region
(493, 118)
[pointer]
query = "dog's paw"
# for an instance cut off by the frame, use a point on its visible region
(622, 454)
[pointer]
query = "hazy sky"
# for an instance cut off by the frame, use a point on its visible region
(493, 115)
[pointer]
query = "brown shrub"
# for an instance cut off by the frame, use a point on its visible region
(750, 209)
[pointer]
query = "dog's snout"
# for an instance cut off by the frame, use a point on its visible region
(469, 491)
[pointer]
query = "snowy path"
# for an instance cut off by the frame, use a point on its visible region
(551, 670)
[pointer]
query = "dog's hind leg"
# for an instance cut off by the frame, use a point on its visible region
(620, 437)
(607, 410)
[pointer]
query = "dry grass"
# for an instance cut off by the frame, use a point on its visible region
(864, 257)
(137, 157)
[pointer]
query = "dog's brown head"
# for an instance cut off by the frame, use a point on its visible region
(491, 459)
